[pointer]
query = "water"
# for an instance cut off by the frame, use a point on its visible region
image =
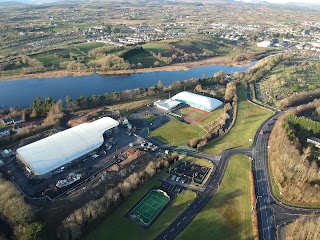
(22, 92)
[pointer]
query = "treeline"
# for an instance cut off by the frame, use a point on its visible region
(303, 228)
(299, 128)
(298, 99)
(83, 102)
(218, 127)
(263, 67)
(297, 178)
(77, 223)
(17, 213)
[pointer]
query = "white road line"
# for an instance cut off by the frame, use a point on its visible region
(172, 230)
(178, 223)
(184, 218)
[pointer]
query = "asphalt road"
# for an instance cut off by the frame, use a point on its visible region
(272, 214)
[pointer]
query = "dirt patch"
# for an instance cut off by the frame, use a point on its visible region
(129, 155)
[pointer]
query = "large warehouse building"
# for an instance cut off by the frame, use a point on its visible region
(198, 101)
(48, 154)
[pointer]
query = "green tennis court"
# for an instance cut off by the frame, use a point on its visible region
(150, 206)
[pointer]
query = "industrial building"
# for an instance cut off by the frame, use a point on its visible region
(198, 101)
(41, 158)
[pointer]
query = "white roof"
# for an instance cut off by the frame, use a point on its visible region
(167, 104)
(53, 152)
(198, 101)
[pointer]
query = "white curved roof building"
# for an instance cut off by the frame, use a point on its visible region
(198, 101)
(50, 153)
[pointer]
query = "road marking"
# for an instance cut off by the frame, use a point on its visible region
(178, 223)
(172, 230)
(195, 206)
(184, 218)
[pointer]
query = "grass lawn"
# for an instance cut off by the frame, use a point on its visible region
(119, 227)
(155, 47)
(144, 58)
(249, 118)
(211, 116)
(177, 133)
(86, 47)
(228, 213)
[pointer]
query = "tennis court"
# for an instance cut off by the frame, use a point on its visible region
(150, 206)
(191, 114)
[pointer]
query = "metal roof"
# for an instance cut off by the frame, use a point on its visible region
(54, 151)
(198, 101)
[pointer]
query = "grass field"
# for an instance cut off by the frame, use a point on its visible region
(144, 58)
(177, 133)
(155, 47)
(149, 207)
(86, 47)
(211, 116)
(228, 213)
(249, 118)
(55, 57)
(119, 227)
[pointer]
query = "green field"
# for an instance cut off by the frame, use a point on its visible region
(177, 133)
(211, 116)
(150, 207)
(144, 58)
(249, 118)
(53, 58)
(86, 47)
(228, 213)
(155, 47)
(119, 227)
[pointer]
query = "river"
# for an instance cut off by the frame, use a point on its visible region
(22, 92)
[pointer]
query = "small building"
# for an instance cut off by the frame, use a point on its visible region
(7, 121)
(17, 128)
(6, 153)
(4, 132)
(17, 120)
(313, 140)
(167, 104)
(264, 44)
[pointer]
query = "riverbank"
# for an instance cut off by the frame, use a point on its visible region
(223, 61)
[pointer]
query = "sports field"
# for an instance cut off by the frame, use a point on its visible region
(191, 114)
(149, 207)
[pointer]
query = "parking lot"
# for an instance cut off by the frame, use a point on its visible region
(174, 189)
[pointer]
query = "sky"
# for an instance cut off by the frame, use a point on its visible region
(286, 1)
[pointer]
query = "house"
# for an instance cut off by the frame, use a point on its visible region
(7, 121)
(29, 124)
(17, 120)
(17, 128)
(313, 140)
(4, 132)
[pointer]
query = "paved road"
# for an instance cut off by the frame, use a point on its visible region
(271, 213)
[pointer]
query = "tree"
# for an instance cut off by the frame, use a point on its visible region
(160, 85)
(33, 231)
(36, 107)
(69, 102)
